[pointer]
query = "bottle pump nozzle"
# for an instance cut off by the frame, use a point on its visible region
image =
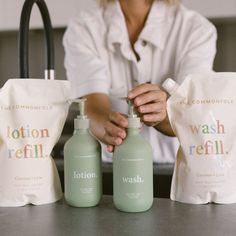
(82, 108)
(132, 113)
(133, 119)
(81, 122)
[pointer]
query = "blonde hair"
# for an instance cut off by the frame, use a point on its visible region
(105, 2)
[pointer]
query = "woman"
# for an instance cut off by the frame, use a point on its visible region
(128, 48)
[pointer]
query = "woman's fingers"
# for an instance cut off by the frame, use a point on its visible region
(114, 130)
(110, 148)
(150, 102)
(110, 140)
(118, 119)
(153, 119)
(141, 89)
(148, 97)
(152, 107)
(146, 93)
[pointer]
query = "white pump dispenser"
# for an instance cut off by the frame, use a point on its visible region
(81, 122)
(133, 119)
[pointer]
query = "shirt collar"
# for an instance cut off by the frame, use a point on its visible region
(115, 21)
(153, 32)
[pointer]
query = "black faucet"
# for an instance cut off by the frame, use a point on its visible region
(24, 38)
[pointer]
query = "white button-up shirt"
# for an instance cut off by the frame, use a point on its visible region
(99, 58)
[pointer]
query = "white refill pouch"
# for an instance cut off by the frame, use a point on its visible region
(202, 113)
(32, 116)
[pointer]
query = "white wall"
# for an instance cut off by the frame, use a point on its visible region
(213, 8)
(62, 10)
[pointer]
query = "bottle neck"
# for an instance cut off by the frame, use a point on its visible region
(133, 131)
(81, 131)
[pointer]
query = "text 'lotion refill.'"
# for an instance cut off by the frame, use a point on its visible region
(133, 170)
(82, 163)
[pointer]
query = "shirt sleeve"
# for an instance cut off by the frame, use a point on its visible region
(84, 67)
(198, 54)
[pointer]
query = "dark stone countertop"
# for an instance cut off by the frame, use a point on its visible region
(165, 218)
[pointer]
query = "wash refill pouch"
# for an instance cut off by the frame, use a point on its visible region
(202, 113)
(32, 115)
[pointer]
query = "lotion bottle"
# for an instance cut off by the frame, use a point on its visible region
(82, 164)
(133, 170)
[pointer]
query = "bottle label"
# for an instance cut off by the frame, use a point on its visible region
(133, 178)
(85, 174)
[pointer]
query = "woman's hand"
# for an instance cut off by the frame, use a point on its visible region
(106, 125)
(150, 102)
(114, 130)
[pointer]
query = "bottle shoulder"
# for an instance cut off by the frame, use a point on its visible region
(134, 145)
(138, 140)
(83, 136)
(82, 141)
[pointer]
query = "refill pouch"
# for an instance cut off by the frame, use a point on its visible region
(32, 114)
(202, 113)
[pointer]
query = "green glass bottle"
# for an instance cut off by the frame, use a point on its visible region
(82, 164)
(133, 170)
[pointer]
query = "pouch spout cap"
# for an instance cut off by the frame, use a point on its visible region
(170, 86)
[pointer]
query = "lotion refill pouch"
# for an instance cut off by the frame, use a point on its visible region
(202, 113)
(32, 114)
